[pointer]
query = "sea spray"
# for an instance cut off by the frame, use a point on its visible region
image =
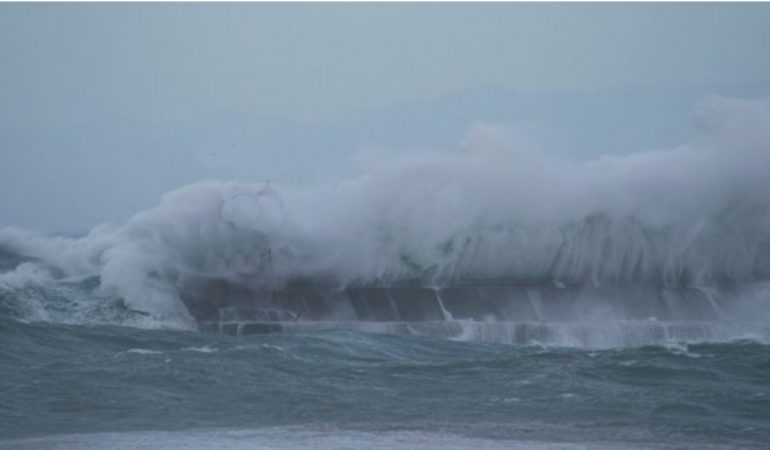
(697, 215)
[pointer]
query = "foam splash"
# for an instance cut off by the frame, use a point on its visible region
(695, 215)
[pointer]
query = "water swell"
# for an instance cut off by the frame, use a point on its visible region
(381, 382)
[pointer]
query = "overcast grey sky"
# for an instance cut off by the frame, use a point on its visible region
(81, 85)
(309, 60)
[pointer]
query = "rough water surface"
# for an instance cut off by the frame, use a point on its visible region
(89, 387)
(494, 298)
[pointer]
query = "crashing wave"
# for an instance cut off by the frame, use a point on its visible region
(687, 219)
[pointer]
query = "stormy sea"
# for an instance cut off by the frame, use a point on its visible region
(495, 297)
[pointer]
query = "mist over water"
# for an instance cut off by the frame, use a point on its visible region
(697, 215)
(499, 296)
(388, 227)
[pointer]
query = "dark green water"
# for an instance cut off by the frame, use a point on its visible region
(140, 387)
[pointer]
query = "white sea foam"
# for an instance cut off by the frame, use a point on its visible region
(204, 349)
(143, 351)
(298, 437)
(698, 213)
